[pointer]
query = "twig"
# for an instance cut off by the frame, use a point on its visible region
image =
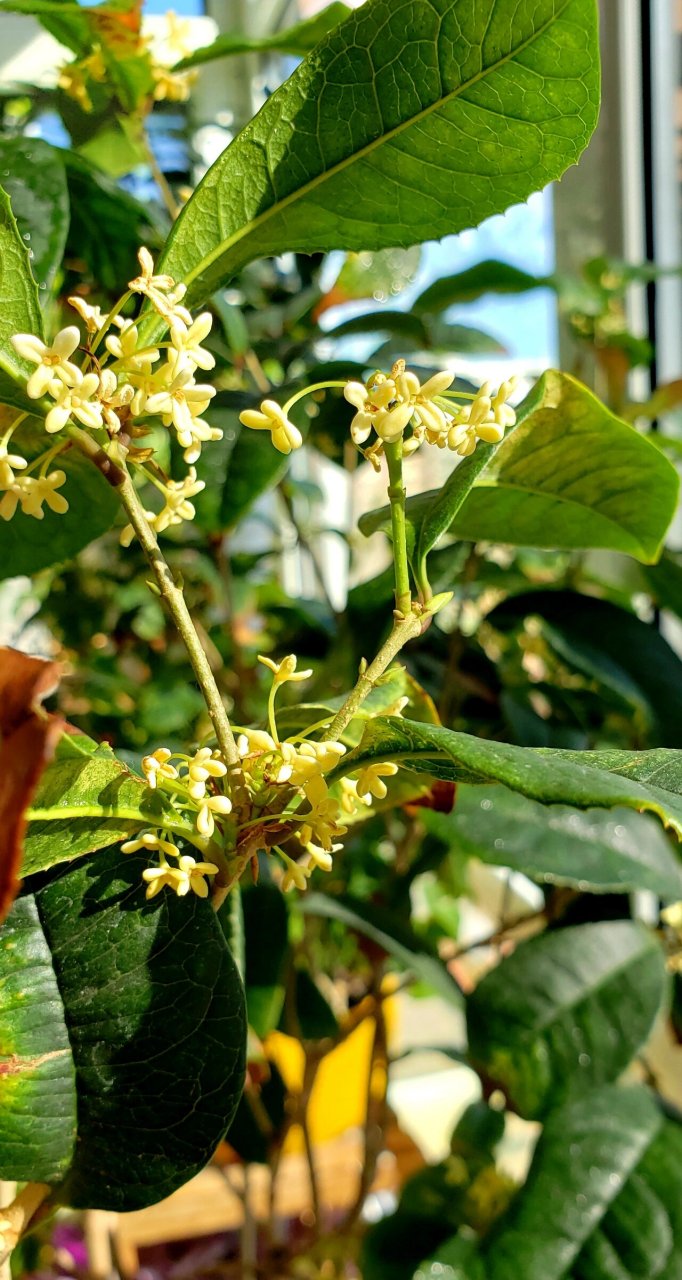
(175, 600)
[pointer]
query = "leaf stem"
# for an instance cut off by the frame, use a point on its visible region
(177, 607)
(404, 629)
(407, 622)
(15, 1219)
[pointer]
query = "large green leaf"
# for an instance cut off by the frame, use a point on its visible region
(37, 1080)
(296, 40)
(648, 780)
(402, 105)
(587, 1151)
(98, 201)
(85, 801)
(570, 474)
(28, 545)
(603, 851)
(35, 179)
(612, 646)
(566, 1011)
(154, 1011)
(20, 311)
(390, 933)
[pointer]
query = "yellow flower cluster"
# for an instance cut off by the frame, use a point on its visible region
(387, 404)
(282, 795)
(77, 77)
(116, 389)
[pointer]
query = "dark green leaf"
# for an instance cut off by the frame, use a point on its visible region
(20, 311)
(587, 1151)
(28, 545)
(154, 1009)
(611, 645)
(566, 1011)
(603, 851)
(299, 39)
(398, 323)
(664, 581)
(651, 780)
(266, 946)
(35, 180)
(315, 1017)
(499, 107)
(87, 799)
(390, 933)
(97, 202)
(466, 286)
(37, 1080)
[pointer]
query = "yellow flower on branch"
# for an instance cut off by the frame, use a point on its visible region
(53, 362)
(285, 436)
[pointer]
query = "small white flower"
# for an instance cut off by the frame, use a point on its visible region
(9, 463)
(202, 767)
(187, 342)
(285, 436)
(123, 347)
(156, 766)
(53, 362)
(370, 781)
(74, 402)
(210, 806)
(193, 873)
(150, 840)
(285, 670)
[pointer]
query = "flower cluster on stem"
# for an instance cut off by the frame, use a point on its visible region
(281, 797)
(120, 385)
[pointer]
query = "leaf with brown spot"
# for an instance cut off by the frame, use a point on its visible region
(28, 737)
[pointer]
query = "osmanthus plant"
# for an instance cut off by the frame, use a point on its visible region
(123, 1021)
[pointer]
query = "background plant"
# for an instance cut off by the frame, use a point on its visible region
(543, 690)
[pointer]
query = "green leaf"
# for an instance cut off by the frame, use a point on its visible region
(664, 581)
(37, 1081)
(651, 780)
(566, 1011)
(573, 475)
(296, 40)
(361, 146)
(466, 286)
(611, 645)
(457, 1259)
(595, 850)
(28, 545)
(568, 475)
(390, 933)
(20, 312)
(98, 201)
(65, 21)
(35, 179)
(85, 801)
(314, 1015)
(401, 324)
(587, 1151)
(266, 949)
(154, 1009)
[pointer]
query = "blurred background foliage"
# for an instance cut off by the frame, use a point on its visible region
(539, 648)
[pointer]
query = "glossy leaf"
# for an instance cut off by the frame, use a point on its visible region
(500, 107)
(296, 40)
(612, 646)
(20, 313)
(154, 1009)
(28, 545)
(35, 180)
(98, 201)
(37, 1079)
(457, 1259)
(569, 475)
(597, 850)
(86, 800)
(648, 780)
(566, 1011)
(488, 276)
(587, 1151)
(266, 947)
(389, 932)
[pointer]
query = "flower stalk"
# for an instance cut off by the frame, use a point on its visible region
(171, 593)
